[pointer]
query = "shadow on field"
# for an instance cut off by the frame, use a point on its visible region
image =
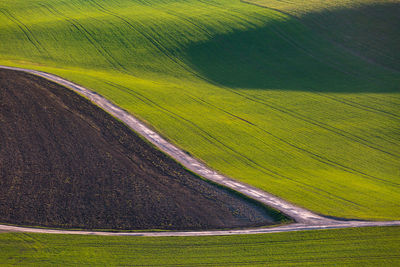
(342, 50)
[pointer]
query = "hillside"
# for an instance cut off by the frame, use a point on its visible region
(261, 95)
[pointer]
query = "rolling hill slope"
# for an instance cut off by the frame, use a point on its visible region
(263, 96)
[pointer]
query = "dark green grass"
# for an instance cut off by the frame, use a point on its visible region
(366, 28)
(355, 247)
(257, 94)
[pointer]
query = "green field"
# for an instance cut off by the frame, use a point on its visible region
(270, 99)
(356, 247)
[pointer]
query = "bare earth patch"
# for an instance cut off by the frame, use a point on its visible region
(64, 162)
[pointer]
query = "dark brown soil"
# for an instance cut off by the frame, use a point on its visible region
(64, 162)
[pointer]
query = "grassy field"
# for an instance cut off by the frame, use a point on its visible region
(260, 95)
(351, 247)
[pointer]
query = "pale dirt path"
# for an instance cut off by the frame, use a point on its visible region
(285, 228)
(305, 219)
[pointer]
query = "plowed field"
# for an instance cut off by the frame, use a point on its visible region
(66, 163)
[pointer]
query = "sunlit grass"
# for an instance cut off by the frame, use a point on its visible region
(350, 247)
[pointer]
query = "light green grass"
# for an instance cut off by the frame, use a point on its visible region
(353, 247)
(255, 93)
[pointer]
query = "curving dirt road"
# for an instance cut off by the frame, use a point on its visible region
(305, 219)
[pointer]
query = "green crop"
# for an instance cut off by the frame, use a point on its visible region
(354, 247)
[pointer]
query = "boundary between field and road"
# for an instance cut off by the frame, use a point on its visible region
(304, 219)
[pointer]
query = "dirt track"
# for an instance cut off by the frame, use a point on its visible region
(306, 220)
(268, 230)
